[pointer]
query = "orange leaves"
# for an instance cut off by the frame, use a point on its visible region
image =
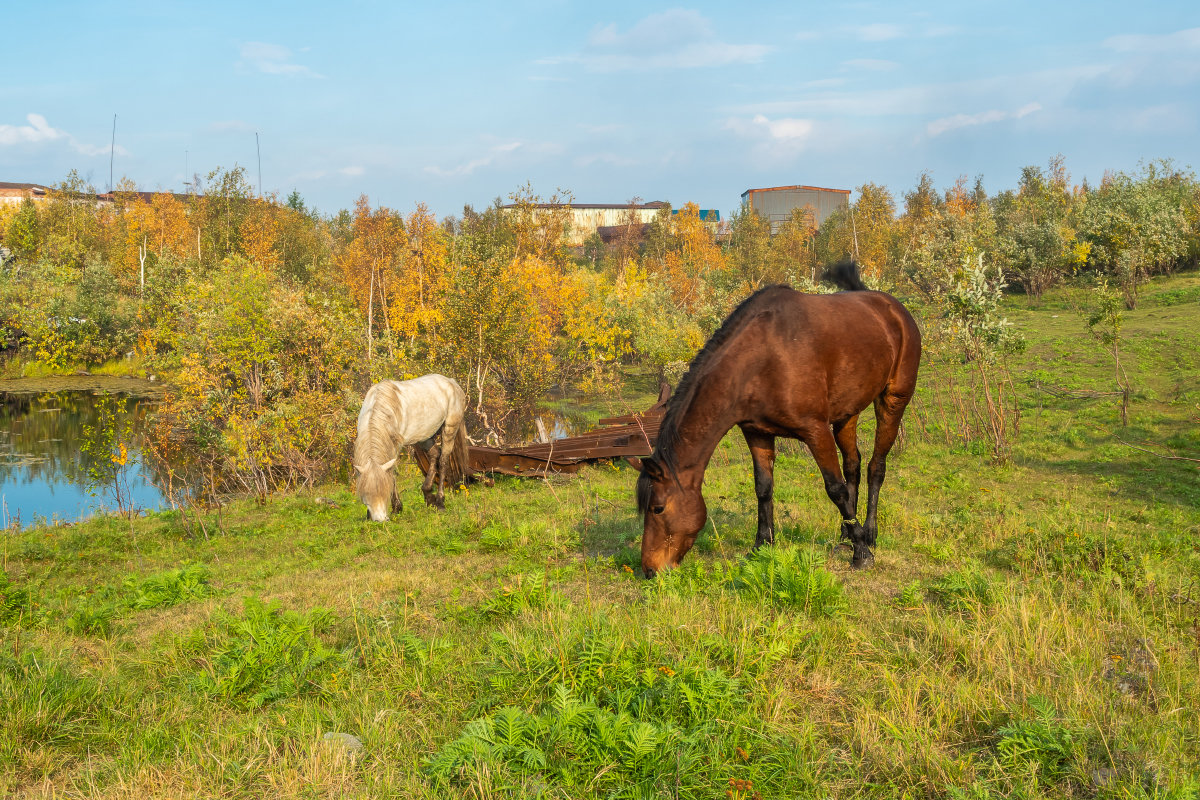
(692, 256)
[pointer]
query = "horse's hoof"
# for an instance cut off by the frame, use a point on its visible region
(863, 559)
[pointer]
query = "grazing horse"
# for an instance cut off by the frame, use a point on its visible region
(399, 413)
(784, 364)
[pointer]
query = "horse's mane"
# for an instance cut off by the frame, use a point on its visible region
(376, 442)
(700, 366)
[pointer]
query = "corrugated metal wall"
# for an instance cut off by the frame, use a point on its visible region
(776, 204)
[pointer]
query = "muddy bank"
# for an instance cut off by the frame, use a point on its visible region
(95, 384)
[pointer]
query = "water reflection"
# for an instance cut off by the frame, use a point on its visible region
(43, 468)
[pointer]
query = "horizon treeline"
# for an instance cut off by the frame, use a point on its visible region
(270, 320)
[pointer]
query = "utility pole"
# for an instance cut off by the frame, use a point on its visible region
(112, 151)
(259, 150)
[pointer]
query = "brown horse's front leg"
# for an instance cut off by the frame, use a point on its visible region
(762, 452)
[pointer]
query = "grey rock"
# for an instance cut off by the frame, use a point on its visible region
(1102, 777)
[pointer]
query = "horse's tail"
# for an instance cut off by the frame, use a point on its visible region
(844, 275)
(460, 456)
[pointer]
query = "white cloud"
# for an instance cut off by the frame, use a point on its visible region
(871, 64)
(352, 171)
(940, 126)
(474, 164)
(878, 32)
(231, 126)
(39, 131)
(792, 131)
(1188, 39)
(674, 39)
(273, 59)
(610, 159)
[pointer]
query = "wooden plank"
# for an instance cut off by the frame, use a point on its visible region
(621, 437)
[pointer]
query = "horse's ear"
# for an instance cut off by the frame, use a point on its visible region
(652, 469)
(634, 462)
(390, 464)
(357, 468)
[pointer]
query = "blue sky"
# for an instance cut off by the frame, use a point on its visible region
(455, 103)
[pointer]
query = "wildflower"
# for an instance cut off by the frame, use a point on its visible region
(670, 673)
(627, 568)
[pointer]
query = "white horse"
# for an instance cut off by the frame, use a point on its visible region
(399, 413)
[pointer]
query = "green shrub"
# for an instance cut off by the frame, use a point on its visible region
(265, 655)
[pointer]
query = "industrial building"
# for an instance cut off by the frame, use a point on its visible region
(777, 202)
(589, 218)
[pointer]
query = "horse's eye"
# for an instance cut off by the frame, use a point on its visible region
(657, 509)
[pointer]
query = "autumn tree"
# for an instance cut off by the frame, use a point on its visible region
(369, 264)
(23, 234)
(1036, 242)
(540, 229)
(865, 230)
(749, 248)
(1137, 225)
(69, 230)
(793, 249)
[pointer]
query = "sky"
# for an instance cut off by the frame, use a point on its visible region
(449, 104)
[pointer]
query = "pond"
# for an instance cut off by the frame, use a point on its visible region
(46, 475)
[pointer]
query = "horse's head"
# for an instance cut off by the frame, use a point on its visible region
(673, 516)
(375, 488)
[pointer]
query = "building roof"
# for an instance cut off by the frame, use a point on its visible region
(36, 188)
(654, 204)
(793, 188)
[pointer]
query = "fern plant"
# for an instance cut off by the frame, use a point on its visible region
(965, 589)
(1041, 742)
(170, 588)
(529, 592)
(16, 603)
(791, 578)
(265, 655)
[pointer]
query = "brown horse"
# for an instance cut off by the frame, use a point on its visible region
(784, 364)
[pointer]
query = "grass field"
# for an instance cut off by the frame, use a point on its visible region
(1030, 629)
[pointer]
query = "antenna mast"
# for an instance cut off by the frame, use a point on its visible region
(259, 151)
(112, 151)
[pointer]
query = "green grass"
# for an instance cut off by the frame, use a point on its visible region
(1028, 629)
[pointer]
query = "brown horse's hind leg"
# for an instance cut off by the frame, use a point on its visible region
(447, 451)
(889, 409)
(819, 439)
(431, 450)
(762, 451)
(846, 436)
